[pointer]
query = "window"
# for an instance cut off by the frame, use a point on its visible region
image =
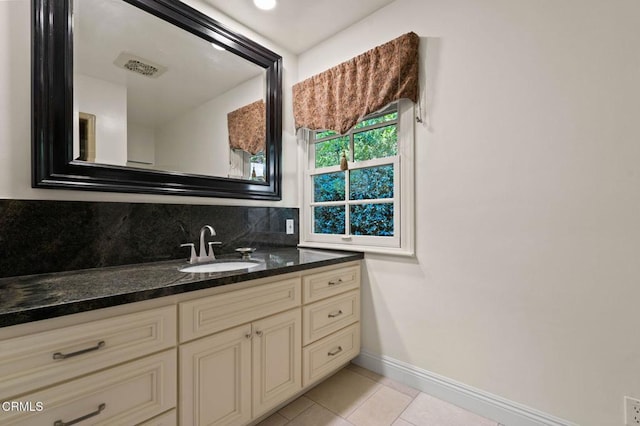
(244, 165)
(369, 206)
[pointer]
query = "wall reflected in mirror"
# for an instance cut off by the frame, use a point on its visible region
(154, 96)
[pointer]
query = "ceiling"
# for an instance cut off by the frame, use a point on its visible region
(298, 25)
(196, 72)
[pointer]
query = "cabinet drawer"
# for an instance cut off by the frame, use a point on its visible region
(323, 318)
(325, 284)
(41, 359)
(325, 356)
(123, 395)
(215, 313)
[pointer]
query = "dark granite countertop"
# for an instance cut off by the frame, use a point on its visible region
(37, 297)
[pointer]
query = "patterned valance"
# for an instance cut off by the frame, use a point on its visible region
(337, 99)
(247, 127)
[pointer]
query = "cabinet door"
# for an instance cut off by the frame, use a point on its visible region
(215, 379)
(277, 355)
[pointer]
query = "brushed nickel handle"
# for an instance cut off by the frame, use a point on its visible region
(336, 314)
(60, 355)
(338, 281)
(259, 333)
(335, 352)
(100, 409)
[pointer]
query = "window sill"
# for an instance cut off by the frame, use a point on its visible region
(392, 251)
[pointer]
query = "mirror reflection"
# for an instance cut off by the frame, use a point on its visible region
(153, 96)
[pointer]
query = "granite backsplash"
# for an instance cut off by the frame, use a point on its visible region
(51, 236)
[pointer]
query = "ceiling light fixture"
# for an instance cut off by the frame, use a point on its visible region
(265, 4)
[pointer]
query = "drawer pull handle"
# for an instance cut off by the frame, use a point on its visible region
(336, 314)
(259, 333)
(335, 282)
(335, 352)
(60, 355)
(100, 409)
(247, 335)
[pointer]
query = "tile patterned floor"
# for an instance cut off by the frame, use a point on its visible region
(359, 397)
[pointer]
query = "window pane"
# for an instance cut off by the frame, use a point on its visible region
(325, 134)
(328, 187)
(376, 143)
(377, 120)
(372, 219)
(328, 219)
(329, 153)
(371, 183)
(257, 166)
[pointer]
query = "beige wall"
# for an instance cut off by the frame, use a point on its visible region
(108, 102)
(15, 118)
(526, 281)
(199, 127)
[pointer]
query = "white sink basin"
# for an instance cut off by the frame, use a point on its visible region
(221, 266)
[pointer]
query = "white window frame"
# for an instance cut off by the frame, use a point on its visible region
(403, 241)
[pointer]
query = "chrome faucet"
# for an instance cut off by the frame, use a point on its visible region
(203, 256)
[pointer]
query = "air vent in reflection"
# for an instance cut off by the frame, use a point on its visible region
(139, 65)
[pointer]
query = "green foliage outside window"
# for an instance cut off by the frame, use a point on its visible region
(329, 153)
(371, 183)
(364, 183)
(328, 220)
(328, 187)
(377, 143)
(372, 219)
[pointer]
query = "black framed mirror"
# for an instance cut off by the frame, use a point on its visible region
(62, 132)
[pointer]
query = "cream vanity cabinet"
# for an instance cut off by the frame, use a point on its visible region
(224, 355)
(232, 376)
(244, 353)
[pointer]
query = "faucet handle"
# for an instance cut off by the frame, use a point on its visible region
(211, 243)
(246, 252)
(193, 256)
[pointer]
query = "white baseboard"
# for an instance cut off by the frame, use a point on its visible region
(502, 410)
